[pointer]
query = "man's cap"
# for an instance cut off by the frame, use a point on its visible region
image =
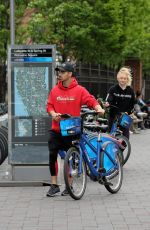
(66, 66)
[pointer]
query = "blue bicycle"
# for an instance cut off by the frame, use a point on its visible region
(97, 156)
(122, 120)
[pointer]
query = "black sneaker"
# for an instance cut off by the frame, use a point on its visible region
(65, 192)
(53, 190)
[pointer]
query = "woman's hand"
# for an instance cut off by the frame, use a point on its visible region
(106, 104)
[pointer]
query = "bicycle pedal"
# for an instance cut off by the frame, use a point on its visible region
(102, 170)
(108, 183)
(102, 182)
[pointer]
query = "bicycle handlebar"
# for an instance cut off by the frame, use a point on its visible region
(114, 106)
(93, 126)
(65, 115)
(91, 112)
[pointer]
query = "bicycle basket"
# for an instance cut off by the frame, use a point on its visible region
(125, 121)
(70, 126)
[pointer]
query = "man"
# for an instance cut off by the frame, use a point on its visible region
(66, 97)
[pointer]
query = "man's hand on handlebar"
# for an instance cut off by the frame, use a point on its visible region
(99, 110)
(56, 116)
(59, 116)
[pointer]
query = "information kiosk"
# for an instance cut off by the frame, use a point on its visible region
(30, 79)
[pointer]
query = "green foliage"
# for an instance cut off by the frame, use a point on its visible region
(4, 29)
(99, 31)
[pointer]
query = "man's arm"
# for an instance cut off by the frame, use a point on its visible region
(99, 109)
(50, 108)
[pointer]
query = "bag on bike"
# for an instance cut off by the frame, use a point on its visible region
(70, 126)
(125, 121)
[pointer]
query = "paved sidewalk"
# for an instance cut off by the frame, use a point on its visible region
(27, 208)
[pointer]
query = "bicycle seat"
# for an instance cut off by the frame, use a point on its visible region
(103, 127)
(102, 120)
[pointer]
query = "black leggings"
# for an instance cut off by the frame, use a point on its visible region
(55, 143)
(53, 165)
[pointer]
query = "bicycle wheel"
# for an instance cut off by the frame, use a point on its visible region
(3, 144)
(75, 173)
(114, 180)
(127, 147)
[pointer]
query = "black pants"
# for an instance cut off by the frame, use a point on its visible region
(57, 142)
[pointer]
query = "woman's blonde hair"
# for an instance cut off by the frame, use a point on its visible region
(127, 71)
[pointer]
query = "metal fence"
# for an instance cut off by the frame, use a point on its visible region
(147, 88)
(98, 79)
(95, 78)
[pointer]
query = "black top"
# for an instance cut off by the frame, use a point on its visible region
(124, 99)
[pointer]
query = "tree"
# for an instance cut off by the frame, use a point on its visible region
(137, 33)
(100, 31)
(82, 30)
(4, 29)
(4, 37)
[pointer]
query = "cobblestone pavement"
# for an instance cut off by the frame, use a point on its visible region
(27, 208)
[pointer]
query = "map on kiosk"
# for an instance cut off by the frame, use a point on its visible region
(30, 91)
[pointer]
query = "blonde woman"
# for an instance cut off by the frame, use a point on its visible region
(122, 96)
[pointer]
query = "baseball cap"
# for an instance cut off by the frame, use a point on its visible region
(66, 66)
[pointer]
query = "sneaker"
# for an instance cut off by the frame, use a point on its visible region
(53, 190)
(65, 192)
(136, 131)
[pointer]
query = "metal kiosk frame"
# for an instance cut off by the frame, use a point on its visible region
(30, 78)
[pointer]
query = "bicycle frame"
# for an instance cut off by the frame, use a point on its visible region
(114, 128)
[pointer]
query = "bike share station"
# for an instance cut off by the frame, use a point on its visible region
(30, 79)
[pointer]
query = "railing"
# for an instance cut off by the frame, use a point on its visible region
(95, 78)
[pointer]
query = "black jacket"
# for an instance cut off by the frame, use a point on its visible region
(123, 99)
